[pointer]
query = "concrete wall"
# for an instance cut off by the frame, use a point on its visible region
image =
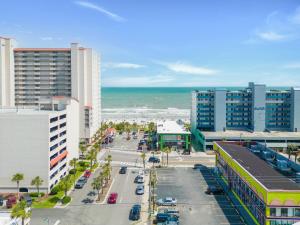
(258, 106)
(73, 129)
(7, 74)
(220, 110)
(295, 109)
(24, 146)
(194, 112)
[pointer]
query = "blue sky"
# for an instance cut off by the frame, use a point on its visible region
(169, 42)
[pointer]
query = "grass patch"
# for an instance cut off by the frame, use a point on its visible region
(49, 202)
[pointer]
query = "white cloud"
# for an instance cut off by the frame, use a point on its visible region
(138, 81)
(271, 36)
(294, 65)
(98, 8)
(180, 67)
(123, 65)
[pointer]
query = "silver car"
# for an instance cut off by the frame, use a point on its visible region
(139, 190)
(168, 201)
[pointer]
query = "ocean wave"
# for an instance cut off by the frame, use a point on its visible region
(144, 114)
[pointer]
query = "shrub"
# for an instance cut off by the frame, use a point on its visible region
(35, 194)
(72, 171)
(54, 190)
(82, 163)
(66, 200)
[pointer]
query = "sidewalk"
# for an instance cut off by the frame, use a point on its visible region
(145, 202)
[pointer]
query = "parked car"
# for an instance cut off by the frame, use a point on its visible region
(168, 201)
(165, 218)
(139, 180)
(87, 173)
(214, 189)
(139, 149)
(79, 184)
(11, 201)
(82, 157)
(123, 170)
(136, 179)
(135, 136)
(1, 200)
(82, 179)
(135, 212)
(154, 159)
(139, 190)
(171, 211)
(112, 199)
(27, 199)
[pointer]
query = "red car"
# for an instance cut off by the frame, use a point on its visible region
(112, 199)
(87, 173)
(11, 201)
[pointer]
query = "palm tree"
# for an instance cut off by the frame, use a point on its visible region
(64, 184)
(167, 150)
(151, 127)
(37, 182)
(143, 156)
(291, 148)
(92, 156)
(97, 184)
(73, 163)
(20, 211)
(187, 126)
(105, 172)
(82, 148)
(17, 178)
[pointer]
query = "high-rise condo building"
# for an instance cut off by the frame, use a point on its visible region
(45, 72)
(38, 141)
(252, 113)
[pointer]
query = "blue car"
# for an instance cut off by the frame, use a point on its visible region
(135, 212)
(154, 159)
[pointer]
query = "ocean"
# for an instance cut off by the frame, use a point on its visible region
(142, 104)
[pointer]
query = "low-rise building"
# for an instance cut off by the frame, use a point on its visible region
(254, 112)
(269, 195)
(173, 134)
(38, 142)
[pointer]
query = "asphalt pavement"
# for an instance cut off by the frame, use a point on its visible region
(188, 187)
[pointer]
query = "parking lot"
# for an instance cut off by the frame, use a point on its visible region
(188, 186)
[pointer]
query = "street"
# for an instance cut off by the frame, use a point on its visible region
(183, 183)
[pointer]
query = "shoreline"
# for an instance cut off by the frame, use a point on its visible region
(144, 115)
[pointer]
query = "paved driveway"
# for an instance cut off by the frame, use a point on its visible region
(188, 186)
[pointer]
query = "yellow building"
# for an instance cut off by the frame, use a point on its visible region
(269, 197)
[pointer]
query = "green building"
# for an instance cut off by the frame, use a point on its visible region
(174, 135)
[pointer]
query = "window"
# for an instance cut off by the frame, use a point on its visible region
(284, 211)
(297, 212)
(273, 211)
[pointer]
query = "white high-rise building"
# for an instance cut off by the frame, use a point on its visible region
(7, 83)
(45, 72)
(38, 141)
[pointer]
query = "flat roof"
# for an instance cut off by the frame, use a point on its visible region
(32, 111)
(235, 134)
(258, 168)
(171, 127)
(42, 49)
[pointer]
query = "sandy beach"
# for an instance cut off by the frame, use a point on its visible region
(143, 115)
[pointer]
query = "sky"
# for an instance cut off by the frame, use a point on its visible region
(169, 43)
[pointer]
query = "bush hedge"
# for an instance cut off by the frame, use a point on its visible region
(66, 200)
(35, 194)
(72, 171)
(55, 190)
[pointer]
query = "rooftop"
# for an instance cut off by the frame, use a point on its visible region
(171, 127)
(258, 168)
(236, 134)
(41, 49)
